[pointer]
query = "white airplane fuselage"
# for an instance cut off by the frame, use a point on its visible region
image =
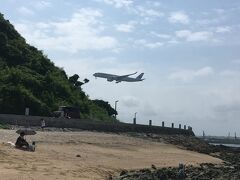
(112, 77)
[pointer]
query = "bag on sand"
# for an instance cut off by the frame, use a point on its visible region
(32, 147)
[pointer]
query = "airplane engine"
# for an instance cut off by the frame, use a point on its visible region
(110, 79)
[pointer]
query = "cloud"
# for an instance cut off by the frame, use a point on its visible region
(145, 12)
(160, 35)
(154, 3)
(219, 11)
(173, 41)
(129, 27)
(146, 44)
(194, 36)
(130, 101)
(81, 32)
(25, 11)
(230, 73)
(118, 3)
(211, 21)
(154, 45)
(227, 111)
(204, 72)
(148, 110)
(230, 108)
(41, 4)
(188, 75)
(213, 17)
(236, 61)
(34, 5)
(223, 29)
(179, 17)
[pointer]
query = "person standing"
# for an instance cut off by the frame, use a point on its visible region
(43, 124)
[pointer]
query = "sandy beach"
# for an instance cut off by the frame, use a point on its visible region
(87, 155)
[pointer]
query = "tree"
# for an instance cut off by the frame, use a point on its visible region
(78, 84)
(3, 40)
(73, 79)
(105, 105)
(85, 81)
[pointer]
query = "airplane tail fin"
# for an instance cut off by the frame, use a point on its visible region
(139, 77)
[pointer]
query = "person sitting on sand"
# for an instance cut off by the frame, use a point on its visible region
(21, 142)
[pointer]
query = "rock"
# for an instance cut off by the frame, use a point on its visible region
(123, 172)
(78, 155)
(153, 166)
(145, 171)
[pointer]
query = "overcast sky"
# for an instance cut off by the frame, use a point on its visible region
(189, 51)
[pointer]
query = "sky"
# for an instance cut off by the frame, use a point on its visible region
(189, 51)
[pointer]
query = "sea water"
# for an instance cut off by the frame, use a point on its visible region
(229, 145)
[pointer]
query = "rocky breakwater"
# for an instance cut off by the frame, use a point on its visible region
(229, 169)
(204, 171)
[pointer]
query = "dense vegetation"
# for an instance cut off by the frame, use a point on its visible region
(105, 105)
(29, 79)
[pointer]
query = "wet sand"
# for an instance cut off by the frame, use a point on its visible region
(101, 154)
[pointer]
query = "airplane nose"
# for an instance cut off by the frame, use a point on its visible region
(95, 75)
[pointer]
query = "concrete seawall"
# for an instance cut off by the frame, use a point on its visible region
(84, 124)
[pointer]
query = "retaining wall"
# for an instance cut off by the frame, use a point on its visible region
(85, 124)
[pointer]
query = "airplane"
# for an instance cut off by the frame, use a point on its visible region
(118, 79)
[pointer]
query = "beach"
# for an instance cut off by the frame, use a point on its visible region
(88, 155)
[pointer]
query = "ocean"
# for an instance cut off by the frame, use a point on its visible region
(229, 145)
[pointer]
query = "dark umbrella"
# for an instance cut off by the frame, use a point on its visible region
(27, 131)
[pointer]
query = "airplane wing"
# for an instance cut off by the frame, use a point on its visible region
(123, 76)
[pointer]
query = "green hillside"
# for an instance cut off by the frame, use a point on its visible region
(29, 79)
